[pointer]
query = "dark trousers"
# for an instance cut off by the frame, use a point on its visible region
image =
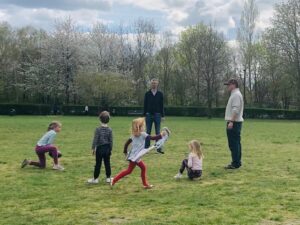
(234, 143)
(191, 173)
(41, 151)
(150, 119)
(103, 152)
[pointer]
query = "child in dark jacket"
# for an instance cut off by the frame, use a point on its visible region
(102, 147)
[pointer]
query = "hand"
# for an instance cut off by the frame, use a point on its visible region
(93, 151)
(230, 125)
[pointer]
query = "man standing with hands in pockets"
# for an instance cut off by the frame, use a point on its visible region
(154, 110)
(234, 118)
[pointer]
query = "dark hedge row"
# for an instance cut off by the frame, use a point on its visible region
(38, 109)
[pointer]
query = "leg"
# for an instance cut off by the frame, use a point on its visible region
(234, 144)
(106, 159)
(98, 163)
(40, 151)
(157, 122)
(183, 165)
(42, 161)
(142, 165)
(49, 148)
(238, 130)
(124, 173)
(149, 122)
(192, 174)
(54, 153)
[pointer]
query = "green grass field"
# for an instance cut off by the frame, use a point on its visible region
(264, 191)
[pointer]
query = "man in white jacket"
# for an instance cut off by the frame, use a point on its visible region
(234, 119)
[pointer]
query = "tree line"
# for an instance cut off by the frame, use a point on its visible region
(112, 66)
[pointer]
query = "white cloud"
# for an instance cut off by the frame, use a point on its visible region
(60, 4)
(45, 18)
(175, 15)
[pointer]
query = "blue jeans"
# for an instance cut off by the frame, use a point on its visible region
(234, 143)
(150, 119)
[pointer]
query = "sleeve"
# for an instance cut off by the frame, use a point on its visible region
(145, 104)
(190, 161)
(52, 136)
(236, 105)
(128, 142)
(155, 138)
(162, 109)
(96, 137)
(111, 140)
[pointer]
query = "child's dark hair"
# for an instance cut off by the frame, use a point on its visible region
(53, 125)
(104, 117)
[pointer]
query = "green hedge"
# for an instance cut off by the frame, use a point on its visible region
(25, 109)
(38, 109)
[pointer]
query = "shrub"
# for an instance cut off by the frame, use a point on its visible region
(39, 109)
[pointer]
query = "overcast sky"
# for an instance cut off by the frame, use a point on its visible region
(171, 15)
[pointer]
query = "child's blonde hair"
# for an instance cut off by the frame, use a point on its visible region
(53, 125)
(137, 126)
(196, 148)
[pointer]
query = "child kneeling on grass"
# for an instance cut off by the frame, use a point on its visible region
(44, 145)
(137, 140)
(193, 164)
(102, 147)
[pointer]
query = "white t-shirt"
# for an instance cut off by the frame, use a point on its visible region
(138, 144)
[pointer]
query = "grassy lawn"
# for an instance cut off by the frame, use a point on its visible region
(264, 191)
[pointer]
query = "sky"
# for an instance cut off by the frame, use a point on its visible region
(171, 15)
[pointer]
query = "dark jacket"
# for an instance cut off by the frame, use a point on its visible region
(103, 136)
(154, 103)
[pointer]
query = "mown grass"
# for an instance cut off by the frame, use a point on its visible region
(264, 191)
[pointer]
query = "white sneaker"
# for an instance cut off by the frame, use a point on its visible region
(58, 167)
(93, 181)
(108, 180)
(178, 176)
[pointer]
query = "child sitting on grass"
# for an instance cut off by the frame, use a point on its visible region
(137, 140)
(102, 147)
(44, 145)
(193, 164)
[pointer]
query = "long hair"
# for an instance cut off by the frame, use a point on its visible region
(53, 125)
(196, 148)
(138, 126)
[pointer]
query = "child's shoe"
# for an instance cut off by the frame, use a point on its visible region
(24, 163)
(160, 151)
(108, 180)
(93, 181)
(149, 186)
(178, 176)
(58, 167)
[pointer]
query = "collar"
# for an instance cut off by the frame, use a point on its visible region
(153, 91)
(235, 90)
(104, 125)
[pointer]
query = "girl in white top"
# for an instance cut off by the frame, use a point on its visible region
(137, 140)
(193, 163)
